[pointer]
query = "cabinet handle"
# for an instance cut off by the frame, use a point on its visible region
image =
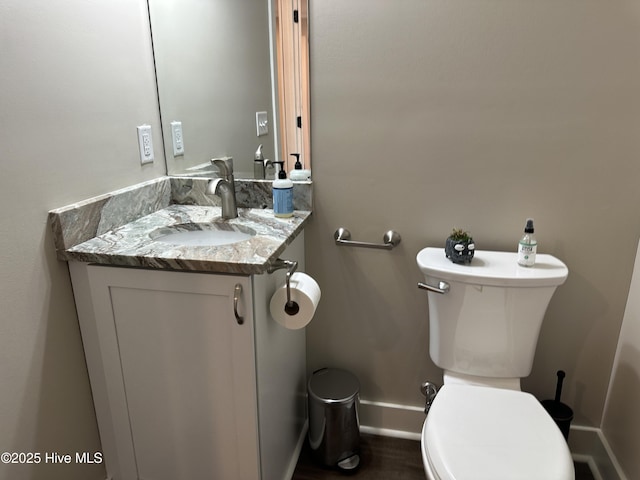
(236, 297)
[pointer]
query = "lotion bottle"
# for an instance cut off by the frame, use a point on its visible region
(527, 246)
(282, 193)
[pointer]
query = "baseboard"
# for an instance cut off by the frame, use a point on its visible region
(587, 444)
(391, 419)
(298, 449)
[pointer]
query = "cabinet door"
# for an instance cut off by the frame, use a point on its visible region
(187, 371)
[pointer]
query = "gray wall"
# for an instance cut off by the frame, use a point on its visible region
(428, 115)
(76, 78)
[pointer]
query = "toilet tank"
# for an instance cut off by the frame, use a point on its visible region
(487, 323)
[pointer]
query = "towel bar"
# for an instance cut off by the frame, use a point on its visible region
(391, 239)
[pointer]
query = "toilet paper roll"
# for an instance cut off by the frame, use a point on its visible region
(305, 292)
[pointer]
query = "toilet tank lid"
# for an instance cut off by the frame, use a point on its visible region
(493, 269)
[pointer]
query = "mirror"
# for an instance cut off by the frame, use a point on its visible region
(219, 63)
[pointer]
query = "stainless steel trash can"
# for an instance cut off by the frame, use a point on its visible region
(334, 427)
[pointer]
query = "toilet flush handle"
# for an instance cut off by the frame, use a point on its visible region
(443, 287)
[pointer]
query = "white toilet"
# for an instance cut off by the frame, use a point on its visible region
(484, 321)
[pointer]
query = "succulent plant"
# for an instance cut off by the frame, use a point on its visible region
(460, 235)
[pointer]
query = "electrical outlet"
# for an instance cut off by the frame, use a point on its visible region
(262, 124)
(145, 143)
(178, 140)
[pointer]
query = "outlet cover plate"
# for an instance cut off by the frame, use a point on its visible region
(178, 139)
(145, 143)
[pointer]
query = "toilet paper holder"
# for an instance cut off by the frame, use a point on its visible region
(290, 307)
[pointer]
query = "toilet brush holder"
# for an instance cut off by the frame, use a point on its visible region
(562, 414)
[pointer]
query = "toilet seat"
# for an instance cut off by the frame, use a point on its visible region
(476, 433)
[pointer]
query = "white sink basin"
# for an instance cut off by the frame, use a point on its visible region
(202, 234)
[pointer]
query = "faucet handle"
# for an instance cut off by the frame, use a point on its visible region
(224, 164)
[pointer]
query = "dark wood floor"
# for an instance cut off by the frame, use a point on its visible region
(381, 458)
(385, 458)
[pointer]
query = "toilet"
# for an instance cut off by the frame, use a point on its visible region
(484, 321)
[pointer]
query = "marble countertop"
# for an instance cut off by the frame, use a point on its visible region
(135, 244)
(122, 227)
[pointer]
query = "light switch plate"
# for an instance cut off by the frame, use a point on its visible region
(262, 124)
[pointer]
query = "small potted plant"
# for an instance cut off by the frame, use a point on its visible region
(459, 247)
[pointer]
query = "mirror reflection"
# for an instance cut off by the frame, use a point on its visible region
(292, 48)
(221, 71)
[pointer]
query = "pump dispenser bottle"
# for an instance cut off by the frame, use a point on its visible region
(527, 246)
(282, 193)
(298, 173)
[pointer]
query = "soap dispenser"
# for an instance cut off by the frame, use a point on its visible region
(282, 193)
(298, 173)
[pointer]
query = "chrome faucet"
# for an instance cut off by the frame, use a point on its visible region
(224, 187)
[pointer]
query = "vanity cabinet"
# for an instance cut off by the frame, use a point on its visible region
(188, 381)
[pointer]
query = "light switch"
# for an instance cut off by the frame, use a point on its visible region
(262, 124)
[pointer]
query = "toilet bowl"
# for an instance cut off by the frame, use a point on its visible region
(484, 322)
(477, 433)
